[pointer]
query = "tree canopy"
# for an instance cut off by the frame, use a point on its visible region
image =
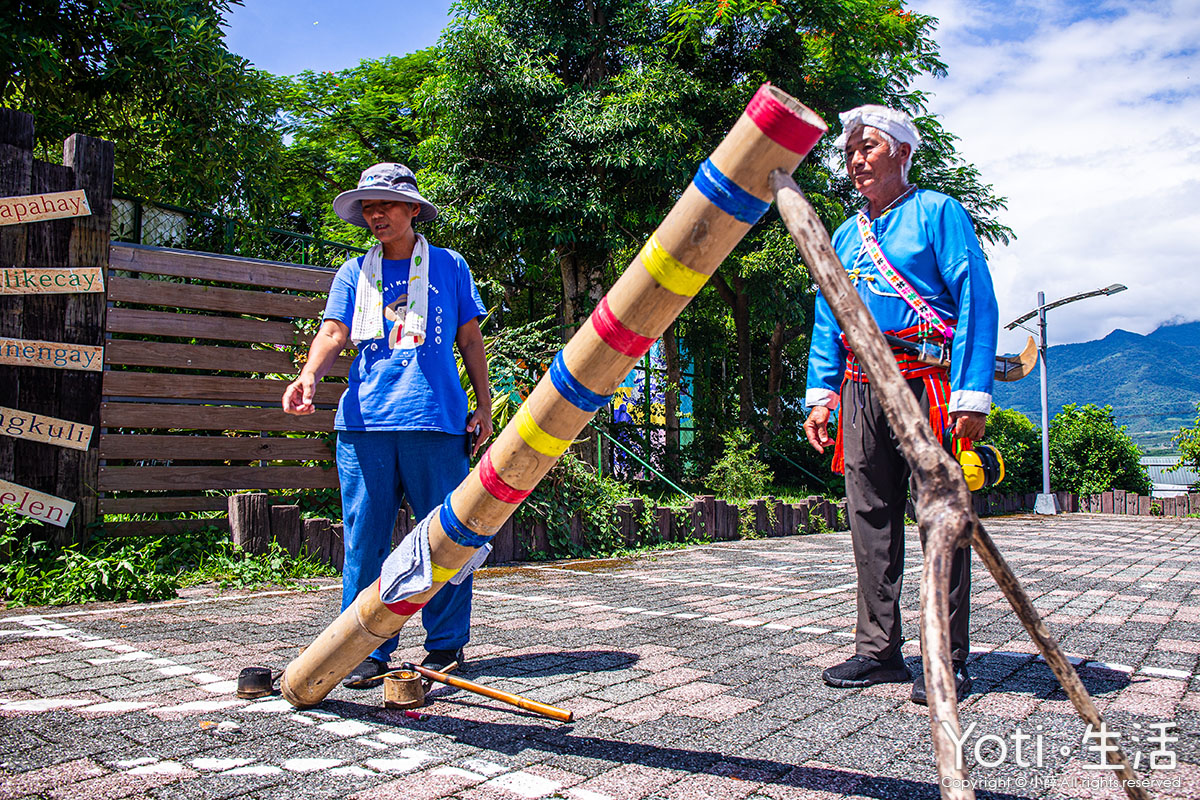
(194, 124)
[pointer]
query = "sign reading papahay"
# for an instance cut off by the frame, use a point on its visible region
(41, 207)
(29, 503)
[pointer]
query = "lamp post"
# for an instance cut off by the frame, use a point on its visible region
(1047, 503)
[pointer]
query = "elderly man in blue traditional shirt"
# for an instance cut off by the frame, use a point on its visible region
(915, 259)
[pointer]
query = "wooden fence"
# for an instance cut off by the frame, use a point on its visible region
(254, 524)
(200, 349)
(1118, 501)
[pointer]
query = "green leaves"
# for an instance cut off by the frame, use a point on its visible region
(122, 569)
(1020, 445)
(1090, 453)
(1188, 442)
(193, 123)
(739, 474)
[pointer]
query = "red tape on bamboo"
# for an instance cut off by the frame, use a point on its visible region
(713, 214)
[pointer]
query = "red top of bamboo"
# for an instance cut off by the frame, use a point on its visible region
(785, 121)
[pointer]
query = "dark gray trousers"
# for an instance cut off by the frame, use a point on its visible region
(877, 485)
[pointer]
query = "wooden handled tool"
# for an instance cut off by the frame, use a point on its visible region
(559, 714)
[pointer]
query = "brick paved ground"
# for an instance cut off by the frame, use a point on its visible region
(692, 674)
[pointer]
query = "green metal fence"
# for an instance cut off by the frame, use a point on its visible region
(142, 221)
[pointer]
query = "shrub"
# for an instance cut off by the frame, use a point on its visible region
(569, 487)
(1020, 444)
(1090, 453)
(739, 474)
(1188, 442)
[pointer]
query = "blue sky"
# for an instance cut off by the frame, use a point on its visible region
(289, 36)
(1084, 115)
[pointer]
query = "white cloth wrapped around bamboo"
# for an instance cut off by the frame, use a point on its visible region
(410, 570)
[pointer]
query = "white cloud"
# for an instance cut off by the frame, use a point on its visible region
(1087, 118)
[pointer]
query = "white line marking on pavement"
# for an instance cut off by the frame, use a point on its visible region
(347, 727)
(484, 767)
(219, 764)
(409, 760)
(159, 768)
(371, 743)
(39, 706)
(258, 769)
(1163, 672)
(310, 764)
(525, 784)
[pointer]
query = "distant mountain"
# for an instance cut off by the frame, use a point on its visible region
(1152, 382)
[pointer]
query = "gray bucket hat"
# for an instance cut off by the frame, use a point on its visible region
(385, 181)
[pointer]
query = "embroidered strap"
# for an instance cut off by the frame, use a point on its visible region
(909, 294)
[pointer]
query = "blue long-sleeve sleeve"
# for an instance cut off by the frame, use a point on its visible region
(932, 243)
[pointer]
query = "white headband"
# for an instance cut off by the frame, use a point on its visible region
(895, 123)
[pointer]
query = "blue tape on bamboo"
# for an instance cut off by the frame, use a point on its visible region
(727, 195)
(572, 390)
(457, 532)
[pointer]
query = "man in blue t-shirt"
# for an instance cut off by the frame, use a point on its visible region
(400, 423)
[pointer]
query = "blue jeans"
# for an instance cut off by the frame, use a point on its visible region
(378, 469)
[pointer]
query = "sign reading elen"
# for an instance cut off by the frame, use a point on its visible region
(46, 280)
(41, 207)
(43, 507)
(40, 428)
(55, 355)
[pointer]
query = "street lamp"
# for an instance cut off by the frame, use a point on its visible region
(1047, 503)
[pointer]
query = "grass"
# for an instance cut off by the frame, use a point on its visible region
(32, 573)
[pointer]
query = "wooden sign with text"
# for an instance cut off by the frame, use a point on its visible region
(41, 207)
(43, 507)
(54, 355)
(40, 428)
(48, 280)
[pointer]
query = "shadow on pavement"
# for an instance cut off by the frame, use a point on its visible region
(513, 739)
(549, 663)
(1021, 673)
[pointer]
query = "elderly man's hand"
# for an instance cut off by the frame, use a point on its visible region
(816, 428)
(968, 424)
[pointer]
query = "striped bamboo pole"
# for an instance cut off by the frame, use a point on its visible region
(729, 194)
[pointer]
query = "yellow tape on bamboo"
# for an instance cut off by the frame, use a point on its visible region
(537, 438)
(672, 275)
(443, 574)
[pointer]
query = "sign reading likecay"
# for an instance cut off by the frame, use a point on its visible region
(55, 355)
(40, 207)
(43, 507)
(40, 428)
(46, 280)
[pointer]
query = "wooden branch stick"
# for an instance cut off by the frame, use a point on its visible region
(554, 712)
(943, 502)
